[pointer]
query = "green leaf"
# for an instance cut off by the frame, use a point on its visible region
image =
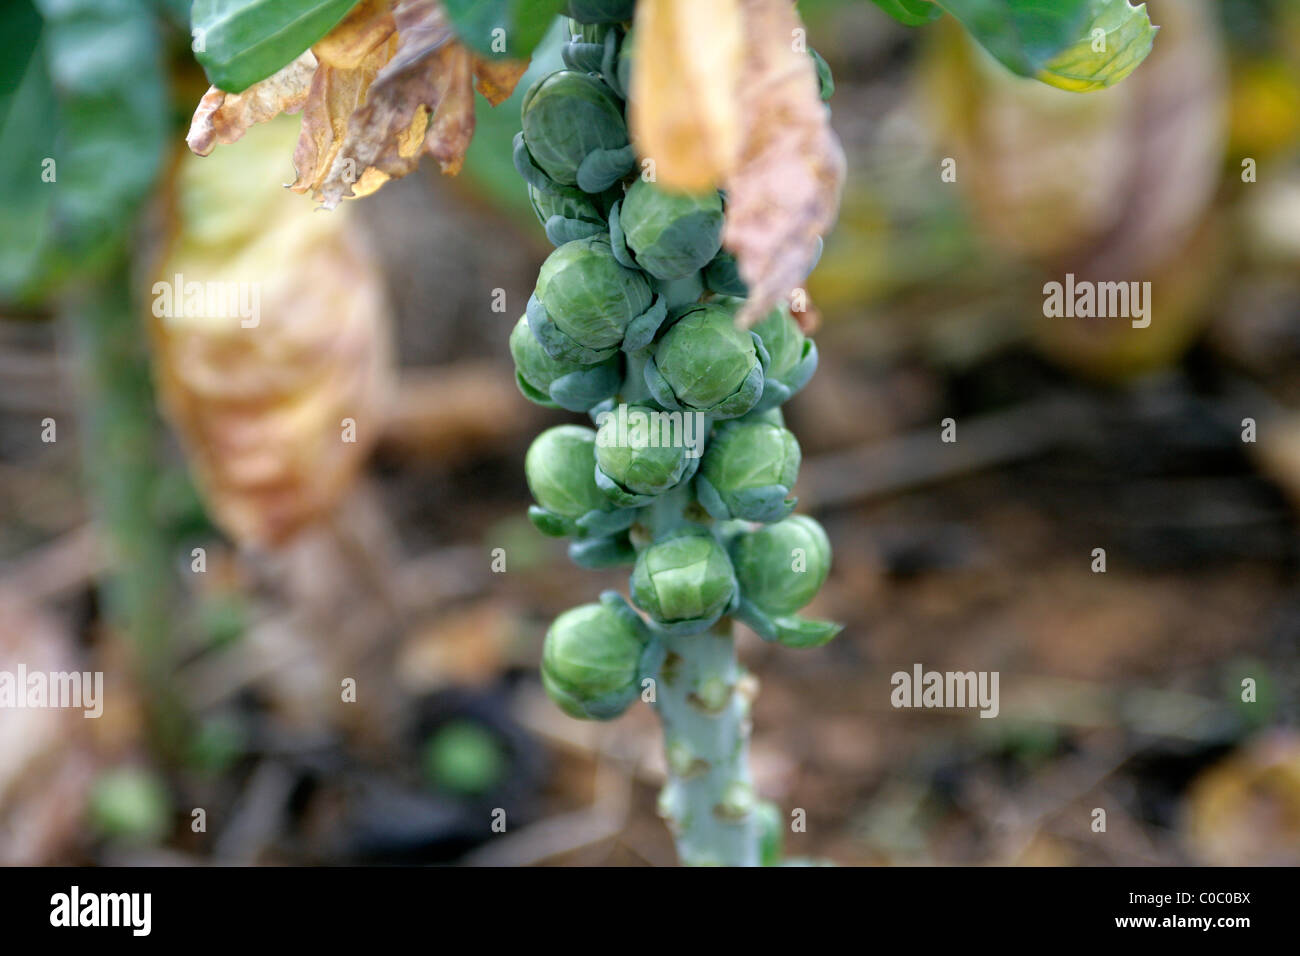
(18, 43)
(911, 12)
(81, 140)
(1023, 35)
(502, 29)
(26, 141)
(244, 41)
(1117, 40)
(1052, 40)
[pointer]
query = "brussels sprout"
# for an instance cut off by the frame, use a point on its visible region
(594, 48)
(723, 276)
(554, 383)
(642, 452)
(567, 214)
(704, 363)
(586, 306)
(780, 568)
(684, 581)
(560, 469)
(669, 235)
(792, 358)
(601, 11)
(592, 659)
(573, 134)
(584, 50)
(748, 472)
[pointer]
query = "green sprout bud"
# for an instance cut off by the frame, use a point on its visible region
(684, 581)
(584, 50)
(792, 358)
(782, 566)
(642, 452)
(737, 801)
(669, 235)
(587, 306)
(555, 383)
(567, 214)
(591, 660)
(748, 472)
(594, 48)
(560, 469)
(573, 134)
(601, 11)
(705, 363)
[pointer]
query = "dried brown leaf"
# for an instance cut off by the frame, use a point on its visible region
(336, 93)
(453, 124)
(223, 117)
(387, 84)
(423, 97)
(366, 28)
(784, 192)
(685, 114)
(497, 79)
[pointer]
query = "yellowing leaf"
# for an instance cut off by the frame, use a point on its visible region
(784, 192)
(366, 28)
(1119, 38)
(270, 331)
(684, 113)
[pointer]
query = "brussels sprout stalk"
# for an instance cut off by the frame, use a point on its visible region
(703, 697)
(634, 314)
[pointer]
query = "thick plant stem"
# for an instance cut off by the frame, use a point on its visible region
(703, 697)
(121, 434)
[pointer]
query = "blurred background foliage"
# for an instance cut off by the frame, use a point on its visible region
(224, 689)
